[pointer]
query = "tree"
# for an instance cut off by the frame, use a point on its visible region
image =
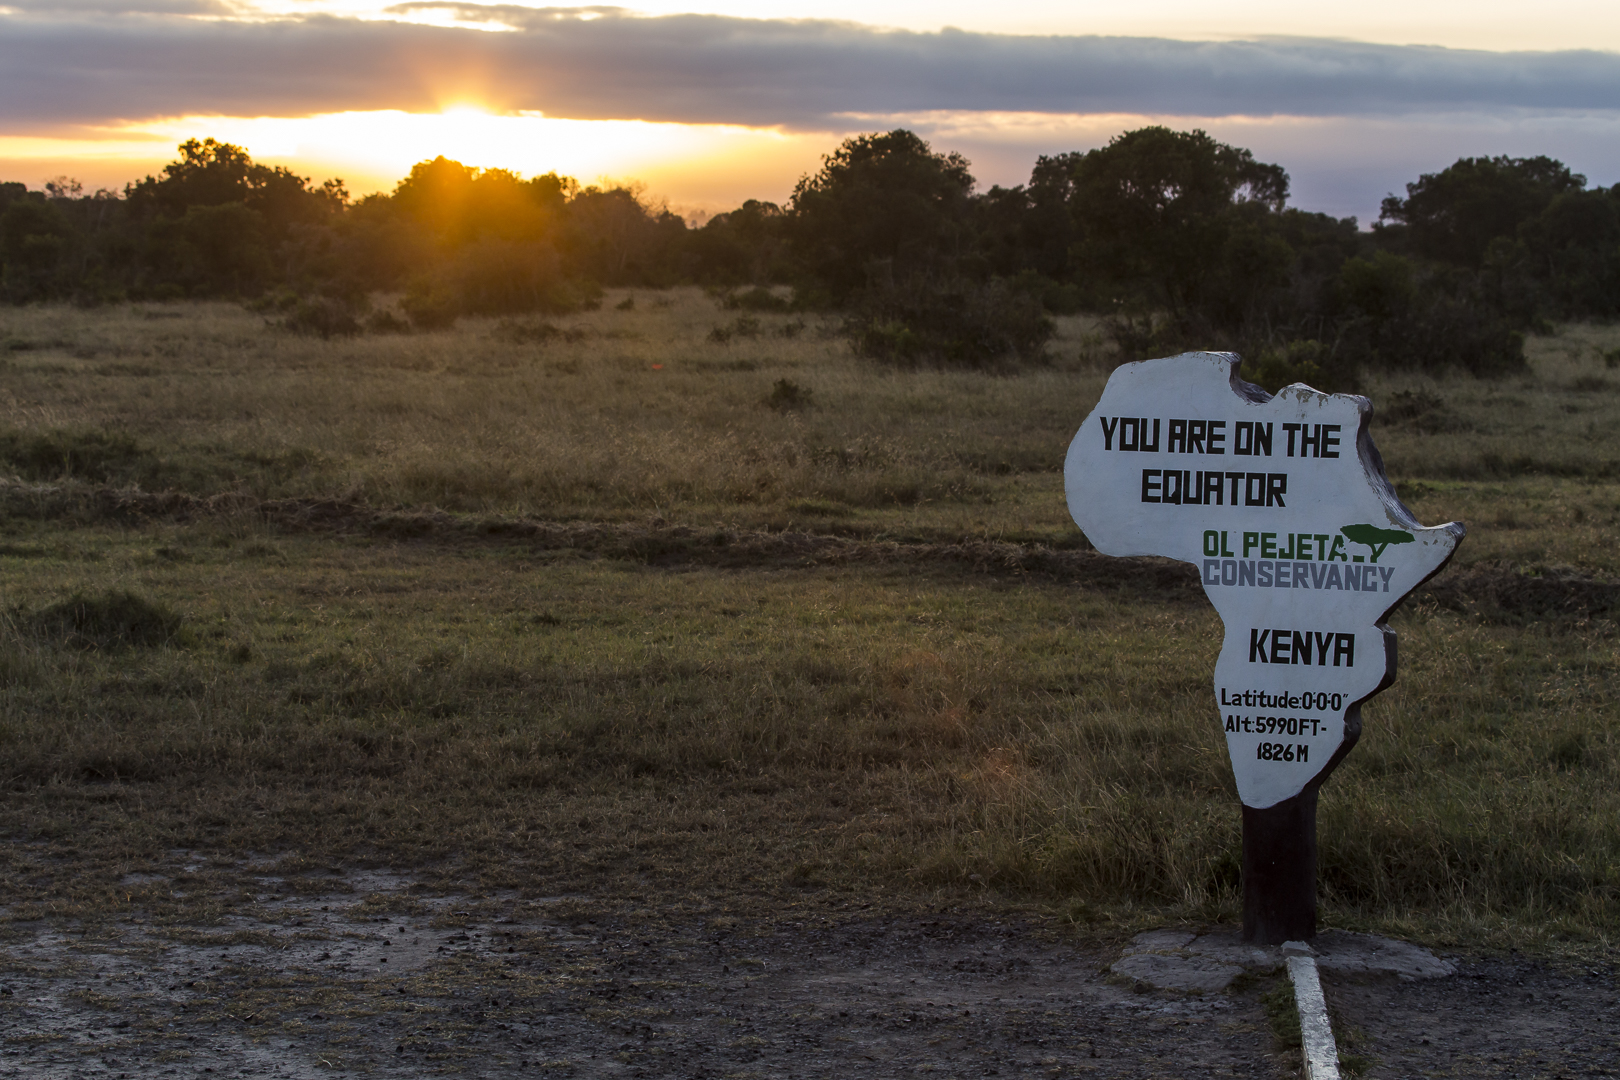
(35, 240)
(1163, 214)
(883, 205)
(460, 204)
(1453, 215)
(212, 173)
(743, 247)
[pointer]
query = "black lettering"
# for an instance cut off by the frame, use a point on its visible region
(1322, 643)
(1130, 432)
(1213, 485)
(1195, 436)
(1282, 651)
(1216, 435)
(1108, 432)
(1254, 489)
(1310, 439)
(1262, 439)
(1150, 447)
(1178, 436)
(1257, 642)
(1276, 488)
(1243, 438)
(1330, 439)
(1172, 486)
(1344, 646)
(1302, 647)
(1303, 752)
(1151, 481)
(1292, 430)
(1236, 478)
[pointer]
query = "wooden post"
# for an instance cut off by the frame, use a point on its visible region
(1279, 871)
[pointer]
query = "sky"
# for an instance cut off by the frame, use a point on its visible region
(710, 102)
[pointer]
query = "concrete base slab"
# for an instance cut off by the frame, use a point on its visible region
(1179, 960)
(1190, 974)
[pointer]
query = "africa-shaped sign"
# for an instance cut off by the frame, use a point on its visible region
(1302, 545)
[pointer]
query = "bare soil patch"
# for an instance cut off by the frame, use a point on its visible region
(376, 976)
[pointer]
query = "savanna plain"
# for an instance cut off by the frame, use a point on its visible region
(668, 625)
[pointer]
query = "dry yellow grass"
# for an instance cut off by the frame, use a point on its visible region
(521, 715)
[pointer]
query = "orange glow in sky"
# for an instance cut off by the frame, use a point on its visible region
(1343, 160)
(696, 167)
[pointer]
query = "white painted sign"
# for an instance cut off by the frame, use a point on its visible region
(1282, 505)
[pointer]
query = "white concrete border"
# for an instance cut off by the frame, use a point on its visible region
(1315, 1032)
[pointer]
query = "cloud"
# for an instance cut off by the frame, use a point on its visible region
(601, 63)
(121, 7)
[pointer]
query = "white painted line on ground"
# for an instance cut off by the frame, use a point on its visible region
(1315, 1033)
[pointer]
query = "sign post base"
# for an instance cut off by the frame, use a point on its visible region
(1279, 870)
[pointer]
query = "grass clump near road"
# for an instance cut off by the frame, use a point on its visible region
(542, 615)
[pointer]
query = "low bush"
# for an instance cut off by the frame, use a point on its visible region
(787, 396)
(111, 620)
(950, 323)
(758, 298)
(323, 317)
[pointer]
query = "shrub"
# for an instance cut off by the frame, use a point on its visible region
(954, 322)
(758, 298)
(787, 396)
(386, 322)
(429, 306)
(320, 316)
(112, 620)
(519, 333)
(745, 326)
(1295, 362)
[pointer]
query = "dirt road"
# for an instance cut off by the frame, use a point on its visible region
(400, 983)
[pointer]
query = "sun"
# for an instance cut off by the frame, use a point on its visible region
(371, 151)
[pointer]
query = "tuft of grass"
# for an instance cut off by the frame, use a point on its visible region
(1282, 1014)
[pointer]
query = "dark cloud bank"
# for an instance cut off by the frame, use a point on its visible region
(714, 69)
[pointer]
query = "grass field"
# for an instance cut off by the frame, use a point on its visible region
(606, 603)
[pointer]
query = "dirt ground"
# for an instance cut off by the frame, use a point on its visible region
(376, 977)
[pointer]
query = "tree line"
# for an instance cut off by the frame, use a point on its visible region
(1178, 240)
